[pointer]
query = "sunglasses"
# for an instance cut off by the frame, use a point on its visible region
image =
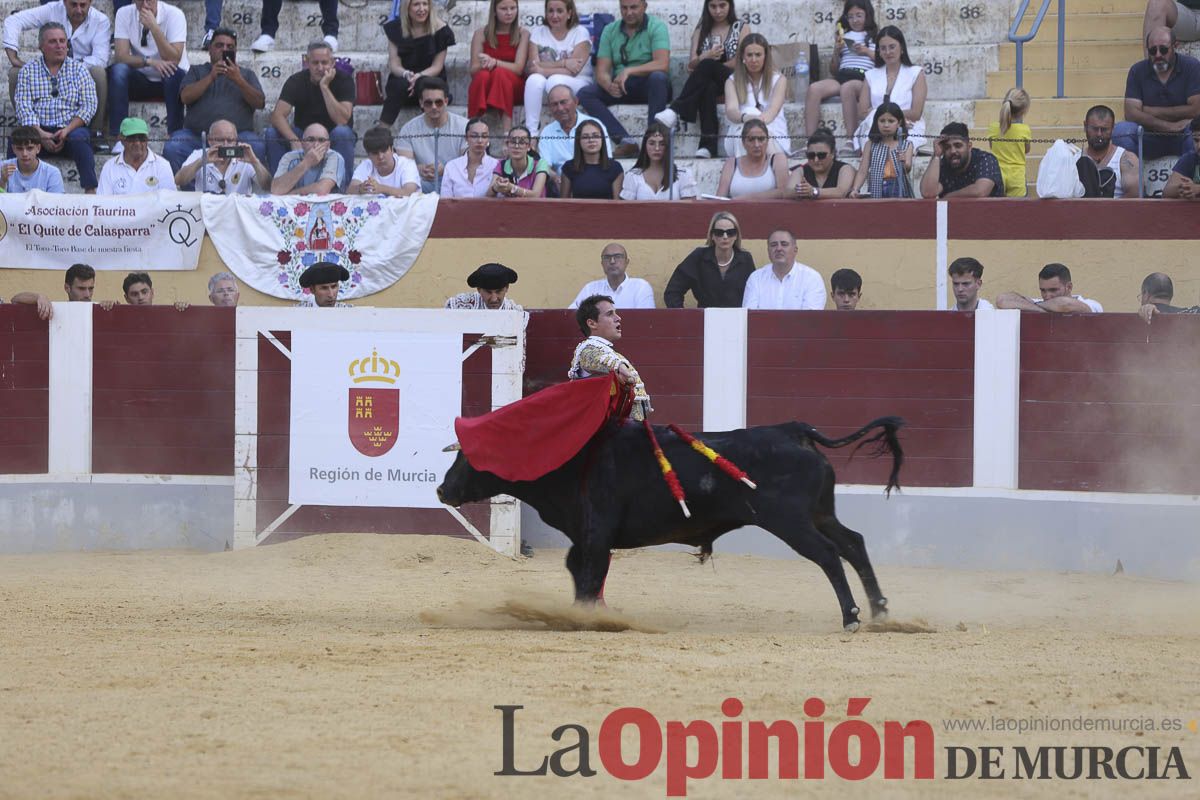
(1159, 50)
(54, 86)
(145, 37)
(724, 232)
(815, 155)
(432, 103)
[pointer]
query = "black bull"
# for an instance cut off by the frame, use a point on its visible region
(612, 496)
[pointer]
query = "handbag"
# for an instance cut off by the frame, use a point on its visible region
(367, 88)
(1058, 175)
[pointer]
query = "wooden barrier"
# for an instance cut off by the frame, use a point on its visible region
(24, 391)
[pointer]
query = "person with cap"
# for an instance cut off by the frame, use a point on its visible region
(490, 282)
(136, 168)
(323, 280)
(598, 320)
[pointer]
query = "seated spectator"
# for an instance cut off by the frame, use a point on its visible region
(136, 168)
(846, 286)
(853, 55)
(1116, 168)
(435, 137)
(966, 279)
(757, 174)
(1162, 94)
(633, 63)
(319, 95)
(27, 171)
(384, 172)
(1181, 16)
(822, 176)
(270, 23)
(715, 274)
(215, 171)
(149, 62)
(756, 90)
(79, 284)
(626, 292)
(1184, 182)
(887, 158)
(648, 180)
(417, 45)
(714, 54)
(894, 79)
(959, 170)
(1054, 283)
(90, 42)
(559, 55)
(592, 175)
(314, 169)
(470, 175)
(214, 91)
(490, 282)
(523, 173)
(323, 281)
(1157, 292)
(785, 283)
(557, 142)
(56, 96)
(223, 290)
(499, 53)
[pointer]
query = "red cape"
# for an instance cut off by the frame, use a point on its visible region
(538, 434)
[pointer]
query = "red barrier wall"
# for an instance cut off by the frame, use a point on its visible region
(24, 393)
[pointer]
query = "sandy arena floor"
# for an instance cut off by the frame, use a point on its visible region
(367, 666)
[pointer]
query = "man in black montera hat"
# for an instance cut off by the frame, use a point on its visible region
(324, 279)
(490, 282)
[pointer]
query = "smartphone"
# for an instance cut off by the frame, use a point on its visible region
(229, 151)
(229, 57)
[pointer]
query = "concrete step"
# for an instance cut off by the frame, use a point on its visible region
(1044, 82)
(1069, 111)
(1105, 26)
(1043, 54)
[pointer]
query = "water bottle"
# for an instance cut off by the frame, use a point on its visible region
(800, 78)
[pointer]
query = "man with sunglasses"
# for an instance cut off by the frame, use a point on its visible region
(215, 172)
(136, 168)
(1162, 94)
(57, 96)
(313, 169)
(435, 137)
(149, 60)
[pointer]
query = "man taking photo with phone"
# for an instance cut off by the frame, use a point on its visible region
(218, 90)
(226, 166)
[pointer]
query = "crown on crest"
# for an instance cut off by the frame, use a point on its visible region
(373, 369)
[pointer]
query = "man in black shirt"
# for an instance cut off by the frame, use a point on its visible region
(959, 170)
(319, 94)
(1157, 292)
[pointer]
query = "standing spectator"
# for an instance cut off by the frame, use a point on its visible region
(523, 173)
(785, 283)
(757, 174)
(1116, 168)
(959, 170)
(1054, 284)
(822, 176)
(966, 279)
(894, 79)
(27, 171)
(417, 45)
(270, 24)
(756, 90)
(592, 175)
(384, 172)
(1162, 94)
(846, 285)
(499, 52)
(632, 66)
(220, 89)
(136, 168)
(150, 60)
(1184, 182)
(714, 55)
(557, 142)
(470, 175)
(626, 292)
(648, 179)
(435, 137)
(138, 289)
(559, 55)
(56, 95)
(90, 35)
(715, 274)
(887, 157)
(223, 290)
(313, 169)
(853, 55)
(320, 95)
(215, 172)
(80, 285)
(1010, 140)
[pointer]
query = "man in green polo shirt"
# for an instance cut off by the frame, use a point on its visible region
(632, 66)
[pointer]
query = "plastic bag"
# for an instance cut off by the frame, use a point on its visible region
(1058, 175)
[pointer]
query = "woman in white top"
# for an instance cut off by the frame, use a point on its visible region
(895, 79)
(647, 180)
(559, 55)
(755, 90)
(470, 174)
(756, 174)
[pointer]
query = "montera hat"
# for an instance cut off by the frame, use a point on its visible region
(491, 276)
(321, 273)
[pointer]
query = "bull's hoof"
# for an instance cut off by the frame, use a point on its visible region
(851, 627)
(879, 611)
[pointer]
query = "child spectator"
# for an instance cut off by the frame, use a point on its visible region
(887, 157)
(499, 53)
(384, 172)
(853, 55)
(27, 171)
(1016, 137)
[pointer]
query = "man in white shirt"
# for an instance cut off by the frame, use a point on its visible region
(150, 59)
(216, 172)
(1054, 284)
(966, 278)
(626, 292)
(136, 168)
(88, 31)
(785, 283)
(384, 172)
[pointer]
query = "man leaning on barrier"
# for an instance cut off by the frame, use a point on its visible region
(79, 284)
(223, 290)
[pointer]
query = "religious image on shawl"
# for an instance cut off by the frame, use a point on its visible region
(311, 232)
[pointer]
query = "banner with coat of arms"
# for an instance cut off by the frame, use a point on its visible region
(269, 241)
(370, 414)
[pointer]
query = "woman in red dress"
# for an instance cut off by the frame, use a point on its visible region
(498, 55)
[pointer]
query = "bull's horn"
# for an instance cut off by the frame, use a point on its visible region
(450, 448)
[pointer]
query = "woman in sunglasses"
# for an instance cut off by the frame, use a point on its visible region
(715, 274)
(755, 90)
(758, 174)
(648, 179)
(822, 176)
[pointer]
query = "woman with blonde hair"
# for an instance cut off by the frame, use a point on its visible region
(716, 273)
(755, 90)
(559, 55)
(499, 52)
(1010, 139)
(417, 45)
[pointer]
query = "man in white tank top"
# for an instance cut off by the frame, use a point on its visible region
(1098, 127)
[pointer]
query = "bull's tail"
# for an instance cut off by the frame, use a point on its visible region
(885, 441)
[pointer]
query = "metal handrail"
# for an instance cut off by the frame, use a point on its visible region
(1020, 41)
